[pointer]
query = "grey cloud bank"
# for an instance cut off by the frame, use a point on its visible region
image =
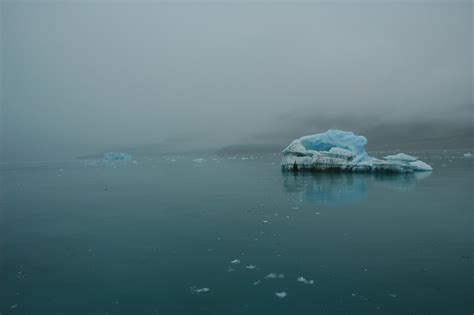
(83, 77)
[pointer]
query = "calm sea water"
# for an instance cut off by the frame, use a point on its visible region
(79, 238)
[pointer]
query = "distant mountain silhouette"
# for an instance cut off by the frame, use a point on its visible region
(405, 136)
(389, 136)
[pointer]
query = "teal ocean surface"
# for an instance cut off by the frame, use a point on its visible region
(235, 235)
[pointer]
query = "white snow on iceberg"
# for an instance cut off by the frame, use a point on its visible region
(402, 157)
(343, 150)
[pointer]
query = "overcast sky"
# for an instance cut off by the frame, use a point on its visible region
(81, 77)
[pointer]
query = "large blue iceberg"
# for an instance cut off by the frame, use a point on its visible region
(343, 150)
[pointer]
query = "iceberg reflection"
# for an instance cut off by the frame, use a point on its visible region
(337, 188)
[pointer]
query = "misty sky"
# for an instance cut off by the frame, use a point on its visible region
(80, 77)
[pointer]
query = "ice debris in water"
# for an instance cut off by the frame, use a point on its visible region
(303, 280)
(274, 276)
(468, 155)
(343, 150)
(251, 267)
(195, 290)
(281, 295)
(200, 160)
(117, 157)
(235, 261)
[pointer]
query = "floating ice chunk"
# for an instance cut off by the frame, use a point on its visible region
(235, 261)
(281, 295)
(343, 151)
(200, 160)
(303, 280)
(274, 276)
(230, 269)
(393, 295)
(117, 157)
(467, 155)
(195, 290)
(251, 267)
(13, 306)
(257, 282)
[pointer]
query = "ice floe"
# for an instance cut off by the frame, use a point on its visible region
(274, 276)
(281, 295)
(303, 280)
(196, 290)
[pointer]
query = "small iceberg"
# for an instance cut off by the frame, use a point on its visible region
(117, 157)
(195, 290)
(281, 295)
(303, 280)
(337, 150)
(274, 276)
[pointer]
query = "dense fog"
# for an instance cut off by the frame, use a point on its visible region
(83, 77)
